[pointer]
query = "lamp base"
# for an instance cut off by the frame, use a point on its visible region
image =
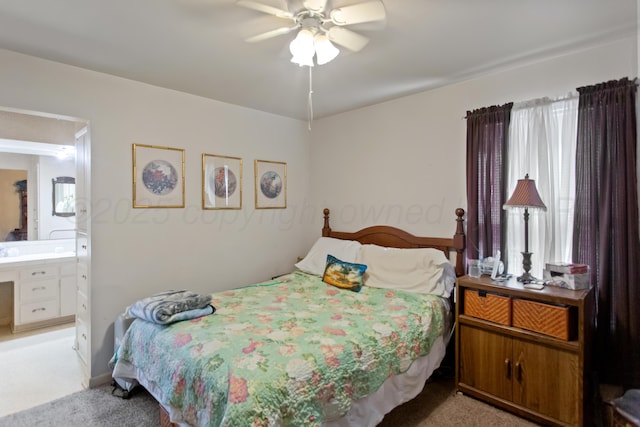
(527, 278)
(526, 266)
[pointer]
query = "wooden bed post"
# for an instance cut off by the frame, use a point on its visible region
(459, 242)
(326, 229)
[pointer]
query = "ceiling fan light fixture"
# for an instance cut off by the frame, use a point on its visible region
(302, 48)
(325, 50)
(302, 60)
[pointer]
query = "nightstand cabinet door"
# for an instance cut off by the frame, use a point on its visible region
(486, 361)
(546, 380)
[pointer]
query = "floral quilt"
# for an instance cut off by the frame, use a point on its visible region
(293, 351)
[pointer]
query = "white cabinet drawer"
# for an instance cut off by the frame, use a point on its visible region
(82, 307)
(38, 272)
(82, 340)
(38, 290)
(83, 278)
(36, 311)
(82, 245)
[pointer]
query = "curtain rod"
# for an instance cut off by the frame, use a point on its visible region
(522, 104)
(544, 100)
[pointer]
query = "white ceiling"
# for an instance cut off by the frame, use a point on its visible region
(198, 47)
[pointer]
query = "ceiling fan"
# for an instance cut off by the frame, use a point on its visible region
(319, 25)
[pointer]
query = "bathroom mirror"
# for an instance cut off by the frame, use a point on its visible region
(43, 145)
(64, 196)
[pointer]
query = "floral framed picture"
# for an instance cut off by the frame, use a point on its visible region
(221, 182)
(271, 184)
(158, 177)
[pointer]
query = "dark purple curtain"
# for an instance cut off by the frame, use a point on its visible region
(606, 224)
(487, 133)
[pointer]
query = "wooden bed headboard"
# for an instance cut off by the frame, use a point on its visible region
(384, 235)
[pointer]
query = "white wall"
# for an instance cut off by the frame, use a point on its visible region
(404, 160)
(136, 252)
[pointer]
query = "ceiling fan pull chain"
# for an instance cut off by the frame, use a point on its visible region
(310, 99)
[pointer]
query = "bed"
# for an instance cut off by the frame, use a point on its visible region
(297, 350)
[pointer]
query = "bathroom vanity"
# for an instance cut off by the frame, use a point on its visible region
(44, 285)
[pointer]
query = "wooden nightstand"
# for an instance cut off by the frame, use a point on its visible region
(530, 371)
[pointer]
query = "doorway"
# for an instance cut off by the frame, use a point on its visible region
(37, 143)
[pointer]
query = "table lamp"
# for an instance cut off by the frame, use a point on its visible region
(525, 196)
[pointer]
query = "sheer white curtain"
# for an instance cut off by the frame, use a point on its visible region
(542, 143)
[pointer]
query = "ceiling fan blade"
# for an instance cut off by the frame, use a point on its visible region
(260, 7)
(358, 13)
(315, 5)
(273, 33)
(347, 38)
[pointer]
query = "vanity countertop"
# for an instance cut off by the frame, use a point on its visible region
(30, 259)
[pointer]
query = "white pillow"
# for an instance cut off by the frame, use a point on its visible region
(316, 260)
(420, 270)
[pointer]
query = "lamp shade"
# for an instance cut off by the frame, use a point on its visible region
(525, 195)
(325, 50)
(302, 48)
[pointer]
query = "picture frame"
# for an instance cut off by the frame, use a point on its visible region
(270, 184)
(158, 176)
(221, 182)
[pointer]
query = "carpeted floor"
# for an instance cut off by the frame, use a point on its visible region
(95, 407)
(437, 405)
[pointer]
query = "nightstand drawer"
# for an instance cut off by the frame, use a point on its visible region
(544, 318)
(488, 306)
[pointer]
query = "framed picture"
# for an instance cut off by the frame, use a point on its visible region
(221, 182)
(271, 184)
(158, 177)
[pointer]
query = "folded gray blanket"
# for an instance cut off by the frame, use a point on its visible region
(163, 308)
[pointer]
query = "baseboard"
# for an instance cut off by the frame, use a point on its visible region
(56, 321)
(100, 380)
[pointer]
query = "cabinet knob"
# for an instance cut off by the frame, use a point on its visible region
(35, 273)
(518, 371)
(507, 365)
(39, 288)
(38, 309)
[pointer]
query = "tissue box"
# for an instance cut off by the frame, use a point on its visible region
(567, 281)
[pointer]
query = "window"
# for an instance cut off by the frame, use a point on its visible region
(542, 143)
